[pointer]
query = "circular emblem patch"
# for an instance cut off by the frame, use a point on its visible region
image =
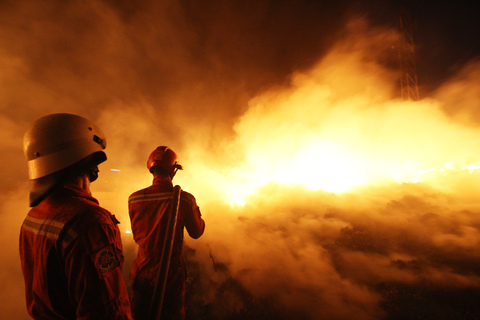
(106, 260)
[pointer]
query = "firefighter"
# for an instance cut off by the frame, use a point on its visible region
(70, 247)
(148, 215)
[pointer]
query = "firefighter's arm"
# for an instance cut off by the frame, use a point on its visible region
(194, 222)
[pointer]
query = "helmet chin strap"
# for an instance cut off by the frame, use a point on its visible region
(176, 167)
(93, 174)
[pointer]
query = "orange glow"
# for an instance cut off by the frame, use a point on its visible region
(308, 134)
(341, 170)
(325, 195)
(320, 165)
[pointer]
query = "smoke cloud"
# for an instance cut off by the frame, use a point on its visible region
(325, 195)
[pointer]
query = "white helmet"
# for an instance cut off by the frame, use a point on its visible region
(56, 142)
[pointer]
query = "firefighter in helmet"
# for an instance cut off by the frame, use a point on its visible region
(148, 215)
(70, 247)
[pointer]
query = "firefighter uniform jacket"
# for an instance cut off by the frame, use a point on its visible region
(147, 209)
(71, 256)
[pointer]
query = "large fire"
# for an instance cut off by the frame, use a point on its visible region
(340, 126)
(307, 136)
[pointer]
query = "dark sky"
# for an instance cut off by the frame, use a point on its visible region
(253, 44)
(446, 36)
(239, 47)
(291, 34)
(281, 36)
(445, 32)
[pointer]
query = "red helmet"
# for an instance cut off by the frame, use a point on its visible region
(165, 158)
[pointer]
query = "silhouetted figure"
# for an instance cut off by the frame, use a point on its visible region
(148, 209)
(70, 247)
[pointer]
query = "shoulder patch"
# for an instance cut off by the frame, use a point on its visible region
(106, 260)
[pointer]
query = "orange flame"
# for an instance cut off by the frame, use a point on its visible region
(311, 136)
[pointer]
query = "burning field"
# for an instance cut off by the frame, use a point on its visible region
(325, 195)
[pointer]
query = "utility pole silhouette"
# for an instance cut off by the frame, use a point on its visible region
(406, 53)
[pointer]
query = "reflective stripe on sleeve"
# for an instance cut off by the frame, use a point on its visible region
(49, 228)
(184, 197)
(150, 197)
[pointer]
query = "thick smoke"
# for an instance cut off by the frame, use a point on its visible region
(271, 108)
(404, 240)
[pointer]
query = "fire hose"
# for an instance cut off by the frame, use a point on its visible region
(161, 281)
